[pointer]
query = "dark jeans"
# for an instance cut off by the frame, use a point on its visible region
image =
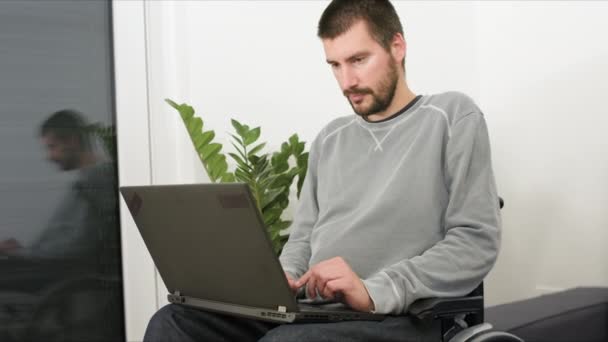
(184, 324)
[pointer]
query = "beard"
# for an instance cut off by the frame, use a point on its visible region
(69, 160)
(381, 99)
(67, 164)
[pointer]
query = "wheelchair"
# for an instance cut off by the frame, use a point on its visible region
(61, 300)
(460, 319)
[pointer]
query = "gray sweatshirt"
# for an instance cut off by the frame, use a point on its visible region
(410, 203)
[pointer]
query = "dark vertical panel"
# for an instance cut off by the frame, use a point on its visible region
(59, 233)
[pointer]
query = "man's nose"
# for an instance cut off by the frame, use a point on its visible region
(349, 79)
(51, 156)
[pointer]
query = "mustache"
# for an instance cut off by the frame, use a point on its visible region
(354, 91)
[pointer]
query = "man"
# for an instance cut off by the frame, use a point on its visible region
(88, 210)
(80, 242)
(399, 202)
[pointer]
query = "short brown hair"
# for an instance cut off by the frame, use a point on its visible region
(65, 124)
(379, 15)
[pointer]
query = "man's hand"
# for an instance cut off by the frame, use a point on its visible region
(334, 279)
(292, 282)
(9, 245)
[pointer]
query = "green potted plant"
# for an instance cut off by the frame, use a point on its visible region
(269, 175)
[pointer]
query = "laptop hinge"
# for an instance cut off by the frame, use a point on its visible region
(176, 297)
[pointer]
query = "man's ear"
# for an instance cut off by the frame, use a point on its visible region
(398, 47)
(72, 141)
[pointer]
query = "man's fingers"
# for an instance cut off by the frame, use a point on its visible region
(9, 245)
(303, 279)
(322, 282)
(311, 287)
(318, 281)
(329, 291)
(292, 284)
(316, 278)
(312, 281)
(309, 280)
(335, 288)
(290, 281)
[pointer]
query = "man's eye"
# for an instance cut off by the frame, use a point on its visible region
(359, 59)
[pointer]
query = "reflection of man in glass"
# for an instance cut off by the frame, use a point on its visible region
(75, 261)
(87, 214)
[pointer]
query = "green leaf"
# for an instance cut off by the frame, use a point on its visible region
(280, 168)
(263, 160)
(279, 162)
(299, 186)
(209, 150)
(302, 160)
(237, 139)
(270, 196)
(282, 180)
(240, 151)
(240, 130)
(212, 166)
(283, 201)
(237, 125)
(299, 148)
(265, 182)
(280, 225)
(172, 103)
(203, 139)
(223, 168)
(257, 148)
(252, 136)
(255, 160)
(271, 215)
(242, 176)
(186, 112)
(280, 157)
(218, 166)
(274, 236)
(195, 125)
(293, 140)
(239, 161)
(228, 177)
(264, 172)
(212, 161)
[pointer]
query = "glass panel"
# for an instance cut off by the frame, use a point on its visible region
(59, 227)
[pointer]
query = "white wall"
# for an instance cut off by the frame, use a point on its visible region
(133, 158)
(261, 62)
(536, 70)
(543, 70)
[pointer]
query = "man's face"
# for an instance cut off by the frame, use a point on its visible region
(367, 73)
(63, 152)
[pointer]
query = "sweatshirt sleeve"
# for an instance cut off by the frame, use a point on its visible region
(457, 264)
(296, 253)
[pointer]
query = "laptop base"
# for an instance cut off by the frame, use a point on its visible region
(327, 313)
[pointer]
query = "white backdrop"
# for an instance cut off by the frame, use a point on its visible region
(536, 69)
(543, 70)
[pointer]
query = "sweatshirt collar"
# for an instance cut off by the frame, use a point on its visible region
(389, 121)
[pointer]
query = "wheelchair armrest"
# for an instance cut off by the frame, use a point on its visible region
(432, 308)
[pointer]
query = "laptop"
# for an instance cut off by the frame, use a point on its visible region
(212, 251)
